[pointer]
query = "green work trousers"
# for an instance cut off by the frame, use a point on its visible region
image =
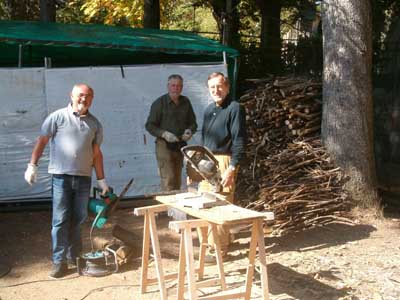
(169, 166)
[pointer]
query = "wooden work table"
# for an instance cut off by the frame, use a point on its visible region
(222, 214)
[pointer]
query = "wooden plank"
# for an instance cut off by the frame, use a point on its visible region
(169, 276)
(250, 266)
(262, 259)
(208, 282)
(223, 214)
(145, 254)
(202, 233)
(232, 295)
(157, 254)
(178, 225)
(181, 270)
(220, 262)
(190, 263)
(140, 211)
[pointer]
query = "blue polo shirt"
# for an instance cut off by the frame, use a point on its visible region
(71, 141)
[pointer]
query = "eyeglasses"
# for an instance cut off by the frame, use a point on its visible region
(82, 95)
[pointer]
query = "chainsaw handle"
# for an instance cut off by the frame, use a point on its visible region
(198, 148)
(99, 190)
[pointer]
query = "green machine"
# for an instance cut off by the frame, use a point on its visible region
(104, 261)
(104, 206)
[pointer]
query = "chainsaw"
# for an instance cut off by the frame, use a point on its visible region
(202, 164)
(101, 262)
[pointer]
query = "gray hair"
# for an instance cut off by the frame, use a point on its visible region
(218, 74)
(175, 76)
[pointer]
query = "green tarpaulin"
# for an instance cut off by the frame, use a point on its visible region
(92, 44)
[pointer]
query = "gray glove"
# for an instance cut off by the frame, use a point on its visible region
(169, 137)
(186, 135)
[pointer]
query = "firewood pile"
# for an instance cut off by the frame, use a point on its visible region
(288, 171)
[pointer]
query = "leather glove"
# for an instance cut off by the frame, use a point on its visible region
(31, 173)
(186, 135)
(169, 137)
(102, 184)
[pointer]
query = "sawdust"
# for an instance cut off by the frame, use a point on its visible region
(339, 261)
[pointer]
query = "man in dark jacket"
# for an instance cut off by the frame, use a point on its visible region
(224, 133)
(173, 122)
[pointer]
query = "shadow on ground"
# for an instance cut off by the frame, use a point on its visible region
(312, 239)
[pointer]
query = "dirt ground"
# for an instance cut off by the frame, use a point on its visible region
(333, 262)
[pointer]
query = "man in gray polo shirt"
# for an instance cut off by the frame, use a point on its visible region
(75, 136)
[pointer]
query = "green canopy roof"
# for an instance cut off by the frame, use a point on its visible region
(88, 44)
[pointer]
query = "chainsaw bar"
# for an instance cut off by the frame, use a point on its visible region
(114, 205)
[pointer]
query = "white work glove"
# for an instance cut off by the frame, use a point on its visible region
(228, 177)
(186, 135)
(31, 173)
(169, 137)
(102, 184)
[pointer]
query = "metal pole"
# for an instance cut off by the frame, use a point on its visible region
(235, 76)
(20, 56)
(47, 62)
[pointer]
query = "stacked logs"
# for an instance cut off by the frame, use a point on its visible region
(288, 171)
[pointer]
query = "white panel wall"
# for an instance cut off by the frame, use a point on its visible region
(122, 102)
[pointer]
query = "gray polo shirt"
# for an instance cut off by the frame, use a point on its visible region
(71, 141)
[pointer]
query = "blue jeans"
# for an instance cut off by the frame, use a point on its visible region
(70, 209)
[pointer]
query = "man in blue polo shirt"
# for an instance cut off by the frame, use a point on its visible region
(75, 136)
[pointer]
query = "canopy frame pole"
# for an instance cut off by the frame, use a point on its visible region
(235, 76)
(47, 62)
(20, 56)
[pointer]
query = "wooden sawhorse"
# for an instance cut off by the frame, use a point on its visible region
(186, 254)
(186, 259)
(150, 234)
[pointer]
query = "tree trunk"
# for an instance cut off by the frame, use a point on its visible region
(151, 18)
(347, 121)
(226, 11)
(22, 9)
(16, 9)
(47, 11)
(231, 35)
(271, 33)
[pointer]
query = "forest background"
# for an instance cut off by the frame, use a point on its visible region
(344, 43)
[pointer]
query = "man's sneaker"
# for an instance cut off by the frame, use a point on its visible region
(72, 262)
(59, 270)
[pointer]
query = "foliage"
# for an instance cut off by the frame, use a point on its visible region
(71, 12)
(305, 57)
(19, 10)
(384, 12)
(189, 16)
(117, 12)
(203, 16)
